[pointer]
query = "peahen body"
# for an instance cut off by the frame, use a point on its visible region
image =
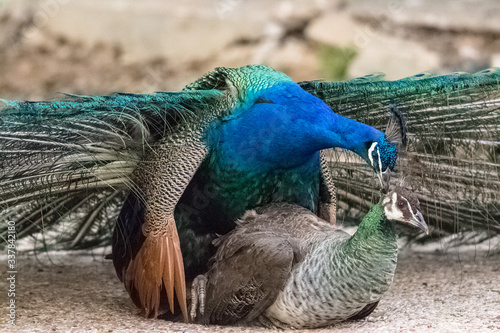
(290, 269)
(193, 162)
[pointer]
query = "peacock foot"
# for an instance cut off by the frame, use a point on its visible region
(198, 295)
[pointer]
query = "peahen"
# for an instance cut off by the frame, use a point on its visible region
(233, 140)
(286, 267)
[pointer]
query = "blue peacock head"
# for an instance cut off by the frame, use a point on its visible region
(382, 156)
(383, 153)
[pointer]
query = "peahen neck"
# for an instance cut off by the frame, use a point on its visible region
(374, 232)
(372, 250)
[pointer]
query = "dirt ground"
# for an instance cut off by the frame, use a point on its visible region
(432, 292)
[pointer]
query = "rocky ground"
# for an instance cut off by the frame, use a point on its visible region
(453, 291)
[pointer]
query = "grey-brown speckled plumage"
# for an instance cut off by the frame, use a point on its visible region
(291, 269)
(328, 195)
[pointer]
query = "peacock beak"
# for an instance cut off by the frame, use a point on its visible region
(380, 178)
(386, 179)
(418, 221)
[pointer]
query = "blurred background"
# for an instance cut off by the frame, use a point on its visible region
(102, 46)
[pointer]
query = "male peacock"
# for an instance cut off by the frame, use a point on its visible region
(247, 137)
(197, 160)
(295, 270)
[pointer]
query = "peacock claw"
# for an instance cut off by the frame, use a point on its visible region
(198, 295)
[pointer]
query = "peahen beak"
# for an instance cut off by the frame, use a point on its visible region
(418, 221)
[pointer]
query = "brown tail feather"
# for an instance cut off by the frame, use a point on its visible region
(157, 265)
(180, 280)
(168, 273)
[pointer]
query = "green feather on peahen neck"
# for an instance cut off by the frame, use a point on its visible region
(374, 230)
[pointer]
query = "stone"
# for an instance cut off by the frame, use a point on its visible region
(233, 56)
(15, 19)
(334, 28)
(376, 52)
(296, 58)
(395, 57)
(294, 15)
(446, 15)
(495, 60)
(179, 31)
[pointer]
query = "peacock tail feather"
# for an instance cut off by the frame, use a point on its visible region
(66, 166)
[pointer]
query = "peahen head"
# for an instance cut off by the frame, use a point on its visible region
(403, 206)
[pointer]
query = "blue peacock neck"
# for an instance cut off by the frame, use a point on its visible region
(352, 135)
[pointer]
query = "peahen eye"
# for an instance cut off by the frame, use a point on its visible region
(401, 204)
